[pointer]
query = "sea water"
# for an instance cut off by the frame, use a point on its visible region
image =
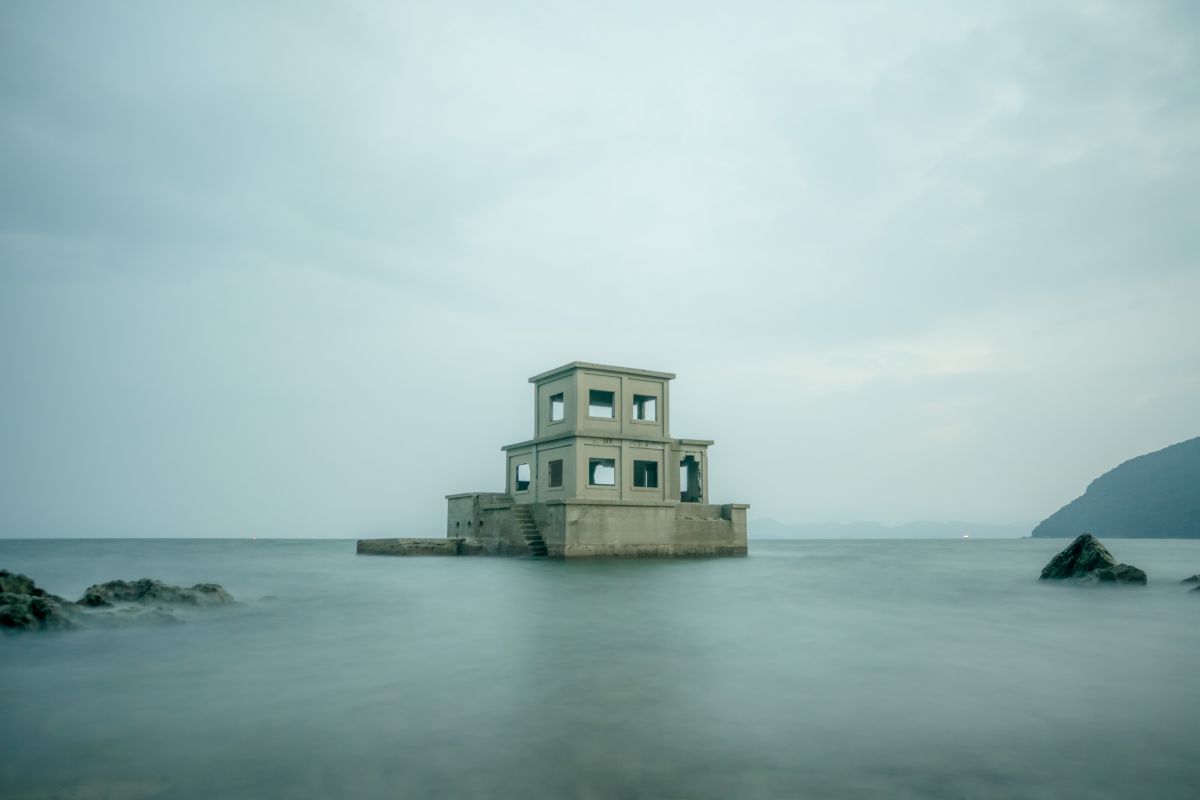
(847, 669)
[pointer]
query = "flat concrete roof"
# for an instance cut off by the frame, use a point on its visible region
(574, 365)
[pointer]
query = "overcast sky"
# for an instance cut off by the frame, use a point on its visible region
(284, 269)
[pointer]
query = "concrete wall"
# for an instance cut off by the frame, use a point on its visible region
(486, 518)
(556, 451)
(543, 425)
(575, 381)
(581, 528)
(523, 455)
(626, 530)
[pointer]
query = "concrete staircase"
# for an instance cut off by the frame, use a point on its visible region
(533, 538)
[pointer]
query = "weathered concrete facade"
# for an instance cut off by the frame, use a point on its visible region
(601, 476)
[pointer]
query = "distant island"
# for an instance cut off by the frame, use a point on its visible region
(1155, 496)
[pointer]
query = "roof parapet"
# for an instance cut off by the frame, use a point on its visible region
(575, 365)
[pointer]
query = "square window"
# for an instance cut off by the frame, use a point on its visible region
(602, 471)
(522, 477)
(645, 407)
(556, 473)
(645, 474)
(557, 407)
(600, 404)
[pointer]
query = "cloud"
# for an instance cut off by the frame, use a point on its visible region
(321, 249)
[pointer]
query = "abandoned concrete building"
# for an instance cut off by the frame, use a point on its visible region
(601, 477)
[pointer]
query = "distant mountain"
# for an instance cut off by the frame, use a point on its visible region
(773, 529)
(1155, 496)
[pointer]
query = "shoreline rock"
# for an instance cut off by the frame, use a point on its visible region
(26, 607)
(1089, 561)
(151, 591)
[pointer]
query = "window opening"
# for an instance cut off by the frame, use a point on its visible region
(689, 480)
(645, 407)
(602, 471)
(522, 477)
(557, 407)
(556, 473)
(600, 404)
(645, 474)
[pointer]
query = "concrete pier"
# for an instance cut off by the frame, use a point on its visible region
(410, 547)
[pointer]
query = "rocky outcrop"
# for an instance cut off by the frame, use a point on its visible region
(1193, 579)
(1079, 558)
(150, 591)
(410, 547)
(1089, 561)
(24, 606)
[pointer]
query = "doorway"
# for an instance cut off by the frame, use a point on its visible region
(689, 480)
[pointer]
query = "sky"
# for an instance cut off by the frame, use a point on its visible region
(284, 269)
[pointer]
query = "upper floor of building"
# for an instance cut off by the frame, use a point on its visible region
(584, 399)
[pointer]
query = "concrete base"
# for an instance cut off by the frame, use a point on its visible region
(575, 528)
(409, 547)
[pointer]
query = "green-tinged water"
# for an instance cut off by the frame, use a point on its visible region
(852, 669)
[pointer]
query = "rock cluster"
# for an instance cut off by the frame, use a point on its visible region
(1087, 560)
(148, 591)
(24, 606)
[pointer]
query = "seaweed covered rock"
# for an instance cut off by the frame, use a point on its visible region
(24, 606)
(1089, 560)
(151, 591)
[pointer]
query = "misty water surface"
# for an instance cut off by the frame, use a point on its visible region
(855, 669)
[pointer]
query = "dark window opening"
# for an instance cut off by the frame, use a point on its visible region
(645, 474)
(602, 471)
(522, 477)
(556, 473)
(645, 407)
(557, 407)
(689, 480)
(600, 404)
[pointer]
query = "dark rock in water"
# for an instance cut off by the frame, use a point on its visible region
(1193, 579)
(1086, 558)
(23, 606)
(1078, 559)
(25, 612)
(150, 591)
(14, 583)
(1121, 573)
(1195, 591)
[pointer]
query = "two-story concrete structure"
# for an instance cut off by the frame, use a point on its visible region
(601, 476)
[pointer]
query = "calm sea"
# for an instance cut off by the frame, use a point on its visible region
(849, 669)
